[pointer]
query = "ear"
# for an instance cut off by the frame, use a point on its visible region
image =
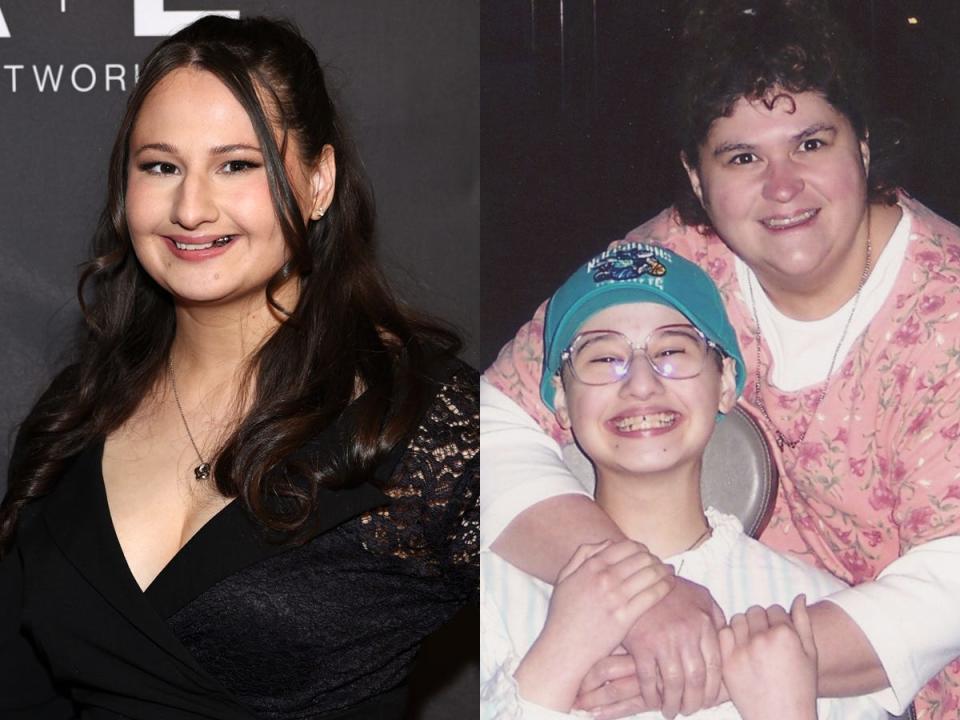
(865, 153)
(728, 386)
(693, 175)
(560, 403)
(322, 181)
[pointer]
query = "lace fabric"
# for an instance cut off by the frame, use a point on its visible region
(327, 625)
(433, 519)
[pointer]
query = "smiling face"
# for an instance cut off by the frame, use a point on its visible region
(198, 202)
(645, 424)
(785, 188)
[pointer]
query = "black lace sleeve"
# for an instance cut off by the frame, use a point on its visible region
(433, 519)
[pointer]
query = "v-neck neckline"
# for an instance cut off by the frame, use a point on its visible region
(176, 558)
(225, 544)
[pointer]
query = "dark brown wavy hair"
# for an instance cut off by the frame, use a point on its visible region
(755, 49)
(346, 331)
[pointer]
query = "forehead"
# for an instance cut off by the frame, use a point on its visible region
(190, 101)
(778, 116)
(635, 320)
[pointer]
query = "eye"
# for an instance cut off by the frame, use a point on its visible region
(599, 356)
(158, 168)
(743, 159)
(239, 166)
(812, 144)
(606, 359)
(674, 344)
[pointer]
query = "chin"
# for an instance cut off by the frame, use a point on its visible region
(804, 265)
(208, 299)
(646, 464)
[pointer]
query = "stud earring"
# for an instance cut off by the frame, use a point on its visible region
(317, 214)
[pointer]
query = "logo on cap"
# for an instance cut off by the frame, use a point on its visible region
(625, 263)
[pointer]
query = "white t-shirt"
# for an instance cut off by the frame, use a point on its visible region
(802, 350)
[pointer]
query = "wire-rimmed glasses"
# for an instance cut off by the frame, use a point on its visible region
(602, 357)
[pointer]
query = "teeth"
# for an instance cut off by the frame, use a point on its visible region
(646, 422)
(219, 242)
(787, 222)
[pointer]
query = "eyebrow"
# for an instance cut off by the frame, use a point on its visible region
(732, 147)
(808, 132)
(216, 150)
(226, 149)
(814, 130)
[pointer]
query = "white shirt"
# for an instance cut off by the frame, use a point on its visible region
(738, 571)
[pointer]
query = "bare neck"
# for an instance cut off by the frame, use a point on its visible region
(662, 511)
(215, 343)
(212, 348)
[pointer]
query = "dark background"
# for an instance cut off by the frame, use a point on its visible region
(407, 73)
(578, 147)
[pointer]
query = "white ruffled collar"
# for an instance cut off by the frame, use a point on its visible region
(726, 530)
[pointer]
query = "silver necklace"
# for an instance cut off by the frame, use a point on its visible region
(696, 542)
(700, 539)
(780, 437)
(201, 471)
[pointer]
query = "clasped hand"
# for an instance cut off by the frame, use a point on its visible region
(599, 595)
(673, 662)
(766, 660)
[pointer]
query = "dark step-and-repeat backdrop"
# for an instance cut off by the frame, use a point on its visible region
(405, 71)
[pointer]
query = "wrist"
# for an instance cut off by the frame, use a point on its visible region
(547, 677)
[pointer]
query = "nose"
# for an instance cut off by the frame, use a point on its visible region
(643, 381)
(194, 203)
(783, 181)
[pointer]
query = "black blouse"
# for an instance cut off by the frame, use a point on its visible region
(236, 626)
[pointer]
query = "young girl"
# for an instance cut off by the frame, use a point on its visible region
(640, 363)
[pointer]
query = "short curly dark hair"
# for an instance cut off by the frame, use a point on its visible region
(733, 49)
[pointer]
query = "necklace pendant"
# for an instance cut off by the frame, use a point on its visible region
(202, 471)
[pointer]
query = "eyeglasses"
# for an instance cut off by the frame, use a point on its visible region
(602, 357)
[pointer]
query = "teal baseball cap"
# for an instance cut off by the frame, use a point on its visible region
(631, 273)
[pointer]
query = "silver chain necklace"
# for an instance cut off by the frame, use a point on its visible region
(706, 533)
(700, 539)
(201, 471)
(780, 437)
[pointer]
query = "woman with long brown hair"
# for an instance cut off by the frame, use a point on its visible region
(254, 491)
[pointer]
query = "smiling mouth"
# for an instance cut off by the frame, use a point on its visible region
(653, 421)
(219, 242)
(781, 223)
